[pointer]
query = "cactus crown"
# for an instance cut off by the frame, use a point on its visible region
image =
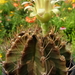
(32, 54)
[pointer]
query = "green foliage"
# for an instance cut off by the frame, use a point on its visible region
(11, 17)
(65, 19)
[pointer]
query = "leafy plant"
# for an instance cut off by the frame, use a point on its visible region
(11, 16)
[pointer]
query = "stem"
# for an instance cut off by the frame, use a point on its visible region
(45, 28)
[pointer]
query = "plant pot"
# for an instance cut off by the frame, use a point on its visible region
(72, 72)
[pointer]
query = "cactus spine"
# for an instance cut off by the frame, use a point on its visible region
(32, 54)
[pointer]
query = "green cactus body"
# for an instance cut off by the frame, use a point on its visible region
(32, 54)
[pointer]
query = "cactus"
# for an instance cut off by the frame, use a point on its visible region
(32, 54)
